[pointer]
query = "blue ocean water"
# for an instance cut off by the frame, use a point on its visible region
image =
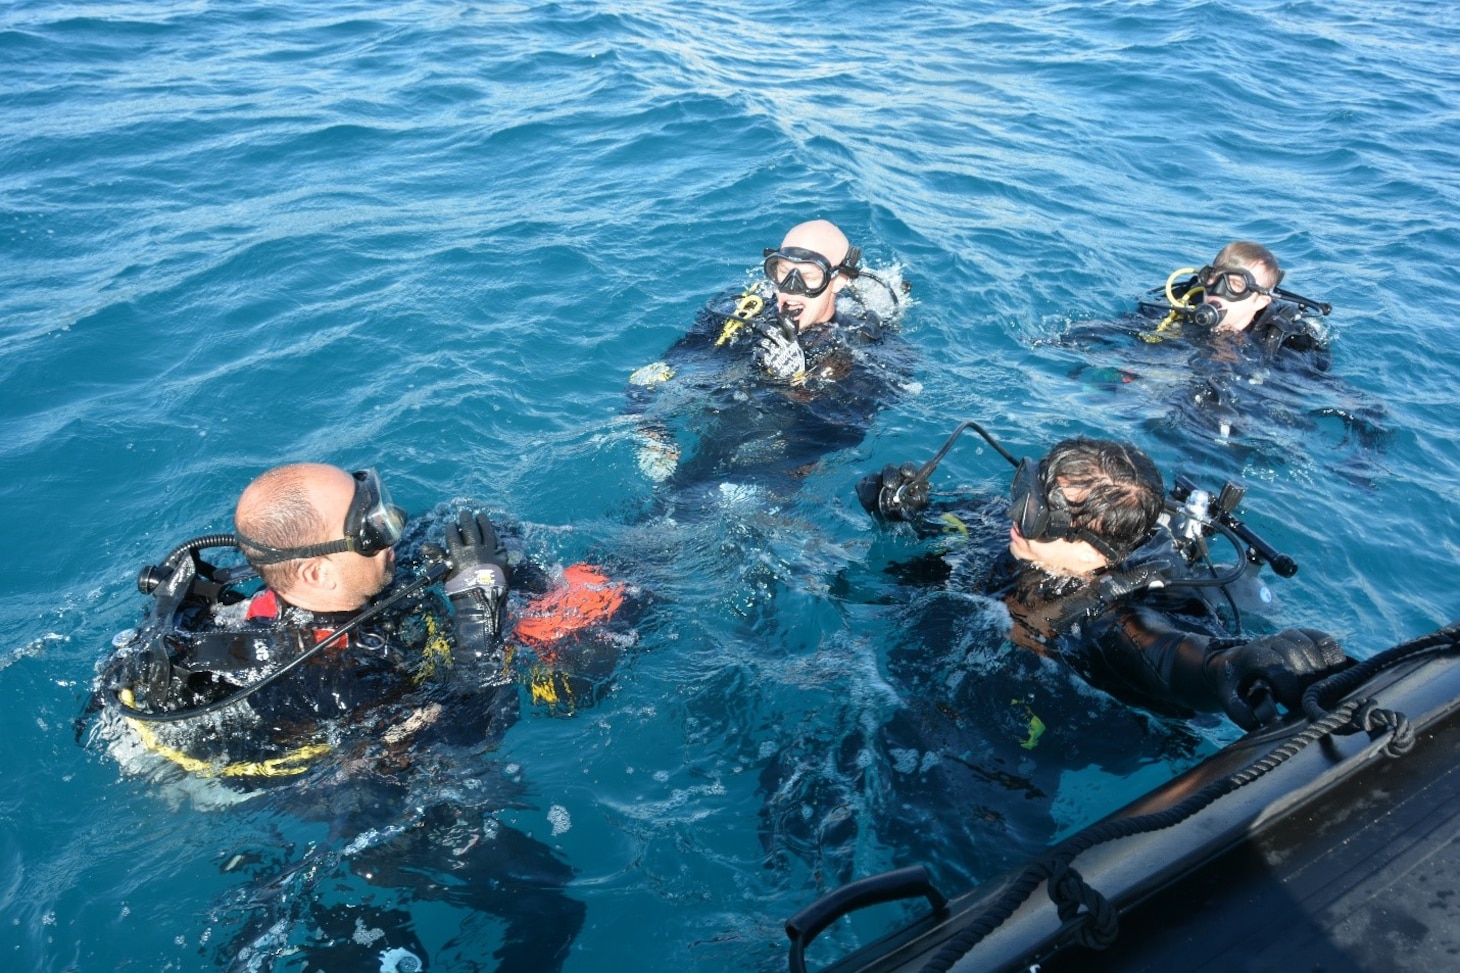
(437, 237)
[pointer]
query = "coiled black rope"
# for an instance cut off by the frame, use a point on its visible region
(1344, 682)
(1368, 717)
(1069, 891)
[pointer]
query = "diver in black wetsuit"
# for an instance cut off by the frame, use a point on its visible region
(1092, 576)
(962, 774)
(1240, 303)
(774, 378)
(331, 681)
(1224, 361)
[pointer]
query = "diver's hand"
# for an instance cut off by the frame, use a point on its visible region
(779, 353)
(896, 493)
(477, 588)
(1277, 669)
(478, 558)
(478, 577)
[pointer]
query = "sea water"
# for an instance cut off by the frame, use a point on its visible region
(437, 237)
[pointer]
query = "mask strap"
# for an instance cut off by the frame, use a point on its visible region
(278, 555)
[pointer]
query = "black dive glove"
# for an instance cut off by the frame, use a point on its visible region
(1276, 669)
(896, 493)
(477, 587)
(778, 352)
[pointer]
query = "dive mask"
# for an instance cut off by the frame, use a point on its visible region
(1043, 515)
(796, 270)
(372, 525)
(1229, 283)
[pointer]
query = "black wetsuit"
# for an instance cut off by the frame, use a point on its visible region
(964, 772)
(1227, 400)
(1145, 649)
(731, 421)
(963, 775)
(359, 733)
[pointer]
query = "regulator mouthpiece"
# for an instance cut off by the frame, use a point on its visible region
(1208, 315)
(790, 323)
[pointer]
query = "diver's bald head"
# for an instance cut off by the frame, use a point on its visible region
(819, 236)
(290, 507)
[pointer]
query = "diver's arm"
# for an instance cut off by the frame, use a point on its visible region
(1243, 679)
(1141, 647)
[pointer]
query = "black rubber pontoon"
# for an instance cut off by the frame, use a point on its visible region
(1335, 855)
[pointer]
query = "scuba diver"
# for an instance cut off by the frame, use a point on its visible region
(1231, 364)
(1103, 574)
(352, 690)
(771, 379)
(1236, 297)
(969, 770)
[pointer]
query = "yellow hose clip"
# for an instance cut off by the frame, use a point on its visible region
(1178, 304)
(749, 305)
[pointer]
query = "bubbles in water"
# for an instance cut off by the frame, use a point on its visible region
(366, 937)
(399, 960)
(905, 761)
(560, 819)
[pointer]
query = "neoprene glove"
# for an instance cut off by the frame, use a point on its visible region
(1276, 669)
(778, 351)
(896, 493)
(477, 588)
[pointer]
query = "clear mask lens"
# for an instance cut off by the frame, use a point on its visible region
(374, 523)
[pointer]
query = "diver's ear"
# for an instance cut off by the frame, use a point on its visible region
(318, 573)
(1087, 558)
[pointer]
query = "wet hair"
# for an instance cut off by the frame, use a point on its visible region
(1252, 256)
(1119, 486)
(283, 515)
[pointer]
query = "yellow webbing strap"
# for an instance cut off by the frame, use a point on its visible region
(296, 761)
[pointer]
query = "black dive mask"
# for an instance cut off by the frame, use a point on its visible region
(1042, 514)
(372, 525)
(1229, 283)
(796, 270)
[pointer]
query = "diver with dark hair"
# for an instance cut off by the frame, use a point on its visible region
(971, 765)
(348, 687)
(1093, 575)
(774, 377)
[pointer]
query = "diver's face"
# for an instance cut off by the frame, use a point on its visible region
(1063, 558)
(806, 281)
(361, 577)
(1239, 311)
